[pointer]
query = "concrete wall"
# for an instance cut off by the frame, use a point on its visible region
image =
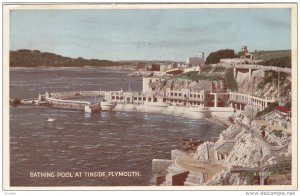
(195, 61)
(222, 112)
(177, 153)
(159, 166)
(179, 179)
(186, 112)
(235, 60)
(196, 68)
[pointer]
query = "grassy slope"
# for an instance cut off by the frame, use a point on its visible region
(273, 54)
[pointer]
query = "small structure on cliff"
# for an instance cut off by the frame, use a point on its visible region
(243, 148)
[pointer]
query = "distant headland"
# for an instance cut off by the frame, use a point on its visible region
(36, 58)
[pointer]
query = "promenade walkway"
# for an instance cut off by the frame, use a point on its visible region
(253, 67)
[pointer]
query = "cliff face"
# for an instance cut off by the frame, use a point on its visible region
(247, 152)
(249, 85)
(179, 84)
(250, 152)
(206, 85)
(264, 84)
(202, 152)
(220, 78)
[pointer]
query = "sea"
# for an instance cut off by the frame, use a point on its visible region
(79, 149)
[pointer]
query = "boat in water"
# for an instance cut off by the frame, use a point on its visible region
(51, 120)
(92, 108)
(107, 105)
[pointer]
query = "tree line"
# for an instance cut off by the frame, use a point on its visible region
(34, 58)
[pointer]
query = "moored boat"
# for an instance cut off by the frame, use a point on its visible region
(107, 105)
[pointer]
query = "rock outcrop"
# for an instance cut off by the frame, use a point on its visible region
(263, 84)
(202, 152)
(247, 152)
(242, 150)
(251, 150)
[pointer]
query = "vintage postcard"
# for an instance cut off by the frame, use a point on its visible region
(150, 96)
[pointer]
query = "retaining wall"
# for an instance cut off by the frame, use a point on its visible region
(186, 112)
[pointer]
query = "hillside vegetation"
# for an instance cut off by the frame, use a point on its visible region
(278, 62)
(212, 74)
(34, 58)
(277, 58)
(272, 54)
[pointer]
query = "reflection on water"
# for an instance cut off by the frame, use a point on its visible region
(78, 141)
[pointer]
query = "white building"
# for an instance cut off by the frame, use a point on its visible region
(200, 60)
(163, 68)
(149, 84)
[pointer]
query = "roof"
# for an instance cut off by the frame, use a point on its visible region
(282, 109)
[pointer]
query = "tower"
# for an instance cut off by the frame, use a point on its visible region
(201, 55)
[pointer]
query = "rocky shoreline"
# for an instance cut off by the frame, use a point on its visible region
(245, 153)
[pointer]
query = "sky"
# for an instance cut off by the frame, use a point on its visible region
(147, 34)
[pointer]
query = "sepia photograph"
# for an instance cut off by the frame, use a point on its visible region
(150, 96)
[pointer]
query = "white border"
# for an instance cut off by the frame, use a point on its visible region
(238, 5)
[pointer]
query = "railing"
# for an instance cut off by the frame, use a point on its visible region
(233, 96)
(252, 66)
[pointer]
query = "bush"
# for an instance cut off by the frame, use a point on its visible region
(278, 62)
(230, 80)
(206, 68)
(219, 69)
(282, 166)
(277, 133)
(195, 76)
(288, 105)
(268, 109)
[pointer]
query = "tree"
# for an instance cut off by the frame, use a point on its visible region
(215, 57)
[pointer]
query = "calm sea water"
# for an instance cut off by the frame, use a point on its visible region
(77, 142)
